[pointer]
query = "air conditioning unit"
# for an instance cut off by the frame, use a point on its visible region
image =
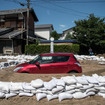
(8, 51)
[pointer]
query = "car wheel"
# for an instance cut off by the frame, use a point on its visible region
(24, 72)
(73, 71)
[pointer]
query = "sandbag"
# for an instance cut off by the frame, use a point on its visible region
(39, 96)
(59, 82)
(91, 90)
(57, 89)
(5, 86)
(27, 86)
(87, 86)
(71, 91)
(81, 80)
(50, 85)
(16, 86)
(90, 94)
(26, 94)
(101, 94)
(51, 97)
(2, 95)
(91, 80)
(37, 83)
(63, 96)
(69, 80)
(79, 95)
(67, 88)
(10, 95)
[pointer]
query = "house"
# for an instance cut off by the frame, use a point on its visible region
(13, 25)
(65, 32)
(44, 31)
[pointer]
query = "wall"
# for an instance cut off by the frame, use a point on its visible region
(45, 33)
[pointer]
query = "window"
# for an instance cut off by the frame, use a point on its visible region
(61, 58)
(46, 59)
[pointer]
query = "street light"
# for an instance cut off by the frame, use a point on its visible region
(52, 45)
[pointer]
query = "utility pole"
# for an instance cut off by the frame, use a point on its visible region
(28, 5)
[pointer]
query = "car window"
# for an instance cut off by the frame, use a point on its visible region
(35, 60)
(45, 59)
(75, 58)
(61, 58)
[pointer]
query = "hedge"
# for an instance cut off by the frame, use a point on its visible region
(38, 49)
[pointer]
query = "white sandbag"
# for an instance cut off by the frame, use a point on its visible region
(101, 84)
(33, 91)
(99, 78)
(50, 85)
(67, 88)
(91, 80)
(5, 86)
(51, 97)
(27, 86)
(37, 83)
(43, 91)
(79, 95)
(101, 88)
(95, 75)
(2, 95)
(69, 80)
(77, 90)
(101, 94)
(26, 94)
(57, 89)
(26, 91)
(16, 86)
(71, 91)
(14, 91)
(10, 95)
(91, 90)
(39, 96)
(47, 92)
(59, 82)
(79, 85)
(63, 96)
(88, 86)
(42, 88)
(90, 94)
(81, 80)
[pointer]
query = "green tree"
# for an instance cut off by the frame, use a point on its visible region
(55, 35)
(90, 32)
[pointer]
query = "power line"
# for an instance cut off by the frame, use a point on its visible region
(67, 9)
(71, 1)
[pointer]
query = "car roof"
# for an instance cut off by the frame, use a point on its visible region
(52, 54)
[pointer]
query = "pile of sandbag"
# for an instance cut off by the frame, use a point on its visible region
(67, 87)
(14, 60)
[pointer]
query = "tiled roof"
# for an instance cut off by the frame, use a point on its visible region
(11, 34)
(17, 11)
(43, 26)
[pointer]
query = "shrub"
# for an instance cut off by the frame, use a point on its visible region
(38, 49)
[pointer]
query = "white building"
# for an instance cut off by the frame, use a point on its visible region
(65, 32)
(44, 30)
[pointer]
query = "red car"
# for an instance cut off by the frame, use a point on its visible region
(51, 63)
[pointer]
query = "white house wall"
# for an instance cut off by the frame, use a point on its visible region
(45, 33)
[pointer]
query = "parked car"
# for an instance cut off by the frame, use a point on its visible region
(51, 63)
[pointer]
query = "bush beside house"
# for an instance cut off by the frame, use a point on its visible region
(38, 49)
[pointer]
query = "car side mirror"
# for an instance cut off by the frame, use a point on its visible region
(37, 63)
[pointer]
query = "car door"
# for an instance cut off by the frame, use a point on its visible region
(45, 64)
(60, 64)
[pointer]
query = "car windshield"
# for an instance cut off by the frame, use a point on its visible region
(35, 60)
